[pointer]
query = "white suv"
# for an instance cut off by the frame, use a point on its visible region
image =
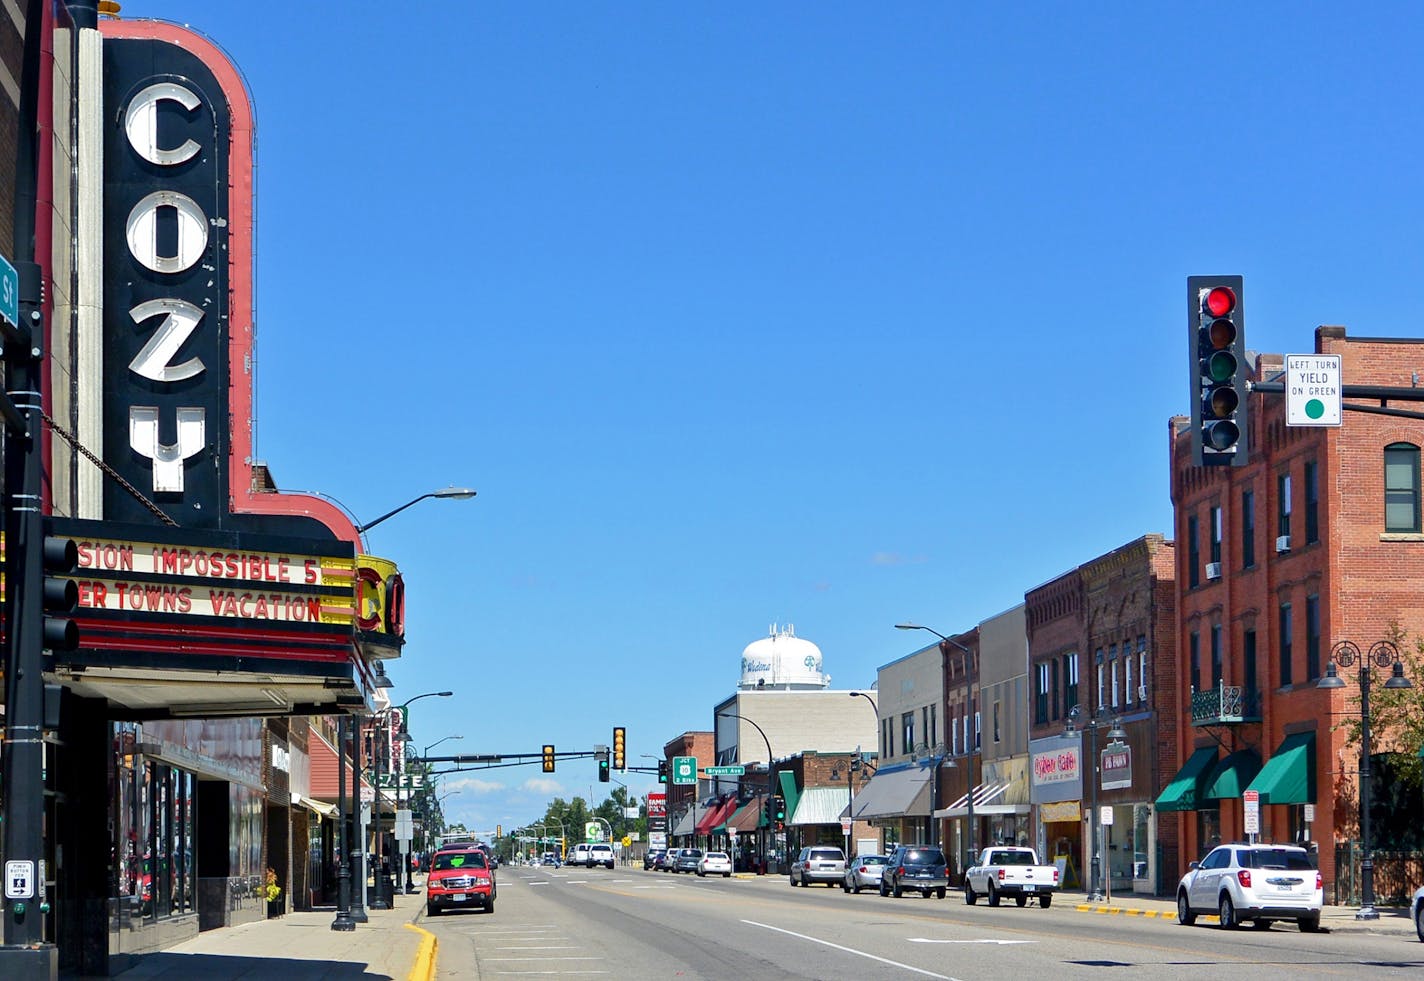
(600, 855)
(1260, 883)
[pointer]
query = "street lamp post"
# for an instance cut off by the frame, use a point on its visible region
(449, 493)
(343, 922)
(1382, 654)
(971, 750)
(1075, 720)
(385, 887)
(410, 795)
(761, 868)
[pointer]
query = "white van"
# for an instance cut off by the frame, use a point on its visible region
(580, 856)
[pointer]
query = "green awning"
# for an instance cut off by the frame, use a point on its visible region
(1289, 775)
(789, 793)
(1233, 775)
(1184, 793)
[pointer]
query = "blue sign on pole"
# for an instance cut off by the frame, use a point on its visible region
(9, 292)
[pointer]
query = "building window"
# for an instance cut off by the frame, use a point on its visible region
(1284, 502)
(1127, 666)
(1102, 686)
(1070, 681)
(1053, 698)
(978, 731)
(934, 728)
(1312, 638)
(1194, 646)
(1248, 529)
(1312, 503)
(1142, 666)
(1216, 534)
(1116, 692)
(1285, 629)
(1401, 487)
(1193, 555)
(1215, 655)
(907, 731)
(1248, 658)
(1040, 695)
(997, 734)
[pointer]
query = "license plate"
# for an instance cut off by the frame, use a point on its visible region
(1029, 888)
(459, 897)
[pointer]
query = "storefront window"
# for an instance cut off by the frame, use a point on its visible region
(1141, 841)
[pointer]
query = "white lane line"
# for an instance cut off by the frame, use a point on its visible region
(1002, 943)
(562, 974)
(541, 958)
(848, 950)
(536, 948)
(538, 883)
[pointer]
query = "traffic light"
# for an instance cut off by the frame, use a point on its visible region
(499, 831)
(662, 771)
(548, 758)
(778, 808)
(1217, 326)
(620, 758)
(61, 555)
(602, 755)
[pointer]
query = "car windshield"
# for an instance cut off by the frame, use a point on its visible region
(1276, 858)
(826, 854)
(460, 860)
(924, 856)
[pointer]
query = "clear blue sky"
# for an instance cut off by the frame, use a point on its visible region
(830, 313)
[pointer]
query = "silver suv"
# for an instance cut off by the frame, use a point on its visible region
(1260, 883)
(819, 863)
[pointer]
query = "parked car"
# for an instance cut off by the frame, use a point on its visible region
(1416, 911)
(459, 880)
(1258, 883)
(717, 863)
(918, 867)
(651, 856)
(863, 872)
(818, 863)
(666, 860)
(600, 855)
(687, 860)
(1006, 870)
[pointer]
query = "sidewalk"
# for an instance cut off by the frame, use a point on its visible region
(1334, 919)
(301, 947)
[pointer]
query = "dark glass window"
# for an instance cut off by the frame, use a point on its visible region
(1248, 529)
(1285, 632)
(1312, 502)
(1215, 655)
(1312, 638)
(1283, 502)
(1216, 534)
(1248, 656)
(1193, 554)
(1401, 487)
(1196, 661)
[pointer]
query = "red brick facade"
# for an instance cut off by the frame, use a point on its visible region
(1326, 572)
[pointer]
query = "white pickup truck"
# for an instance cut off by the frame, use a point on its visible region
(1008, 871)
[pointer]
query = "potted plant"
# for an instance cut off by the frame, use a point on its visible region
(273, 894)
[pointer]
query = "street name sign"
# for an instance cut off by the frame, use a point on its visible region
(684, 769)
(9, 293)
(724, 771)
(1313, 389)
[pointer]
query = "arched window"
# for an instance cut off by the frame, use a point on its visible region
(1401, 487)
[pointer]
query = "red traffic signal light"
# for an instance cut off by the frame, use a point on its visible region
(1216, 356)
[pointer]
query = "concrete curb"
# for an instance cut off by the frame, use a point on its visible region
(424, 967)
(1160, 914)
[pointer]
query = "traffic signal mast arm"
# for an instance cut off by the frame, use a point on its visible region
(1383, 393)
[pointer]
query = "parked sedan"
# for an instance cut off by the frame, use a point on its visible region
(717, 863)
(864, 873)
(687, 860)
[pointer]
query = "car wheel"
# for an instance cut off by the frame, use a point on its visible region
(726, 875)
(1419, 921)
(856, 889)
(898, 892)
(1046, 900)
(924, 894)
(1227, 911)
(1020, 901)
(701, 874)
(1311, 924)
(939, 893)
(431, 910)
(884, 890)
(1185, 916)
(970, 897)
(844, 887)
(993, 895)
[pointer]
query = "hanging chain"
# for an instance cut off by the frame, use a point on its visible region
(69, 438)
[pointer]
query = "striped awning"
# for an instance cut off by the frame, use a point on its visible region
(821, 805)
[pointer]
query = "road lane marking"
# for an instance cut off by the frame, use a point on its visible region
(927, 940)
(848, 950)
(537, 948)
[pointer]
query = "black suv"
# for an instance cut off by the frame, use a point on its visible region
(917, 867)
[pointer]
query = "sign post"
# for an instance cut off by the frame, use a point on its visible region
(1251, 811)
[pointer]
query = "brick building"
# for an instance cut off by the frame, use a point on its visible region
(1317, 541)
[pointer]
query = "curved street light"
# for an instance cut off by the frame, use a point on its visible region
(769, 794)
(450, 493)
(1382, 654)
(970, 751)
(384, 887)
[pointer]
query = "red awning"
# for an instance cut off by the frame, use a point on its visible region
(323, 769)
(715, 816)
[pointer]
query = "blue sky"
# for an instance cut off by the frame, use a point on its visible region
(829, 313)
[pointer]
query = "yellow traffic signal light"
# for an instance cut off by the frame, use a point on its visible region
(548, 758)
(620, 759)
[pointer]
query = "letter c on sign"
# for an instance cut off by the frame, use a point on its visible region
(368, 598)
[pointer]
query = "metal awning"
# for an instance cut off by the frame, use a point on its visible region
(319, 806)
(1233, 775)
(748, 817)
(1185, 791)
(820, 805)
(988, 799)
(685, 825)
(896, 793)
(1289, 775)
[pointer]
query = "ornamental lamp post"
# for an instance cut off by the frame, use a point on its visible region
(1382, 654)
(971, 750)
(761, 868)
(1072, 725)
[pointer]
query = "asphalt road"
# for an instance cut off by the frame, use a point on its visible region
(627, 923)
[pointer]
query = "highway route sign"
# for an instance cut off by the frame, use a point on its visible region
(684, 770)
